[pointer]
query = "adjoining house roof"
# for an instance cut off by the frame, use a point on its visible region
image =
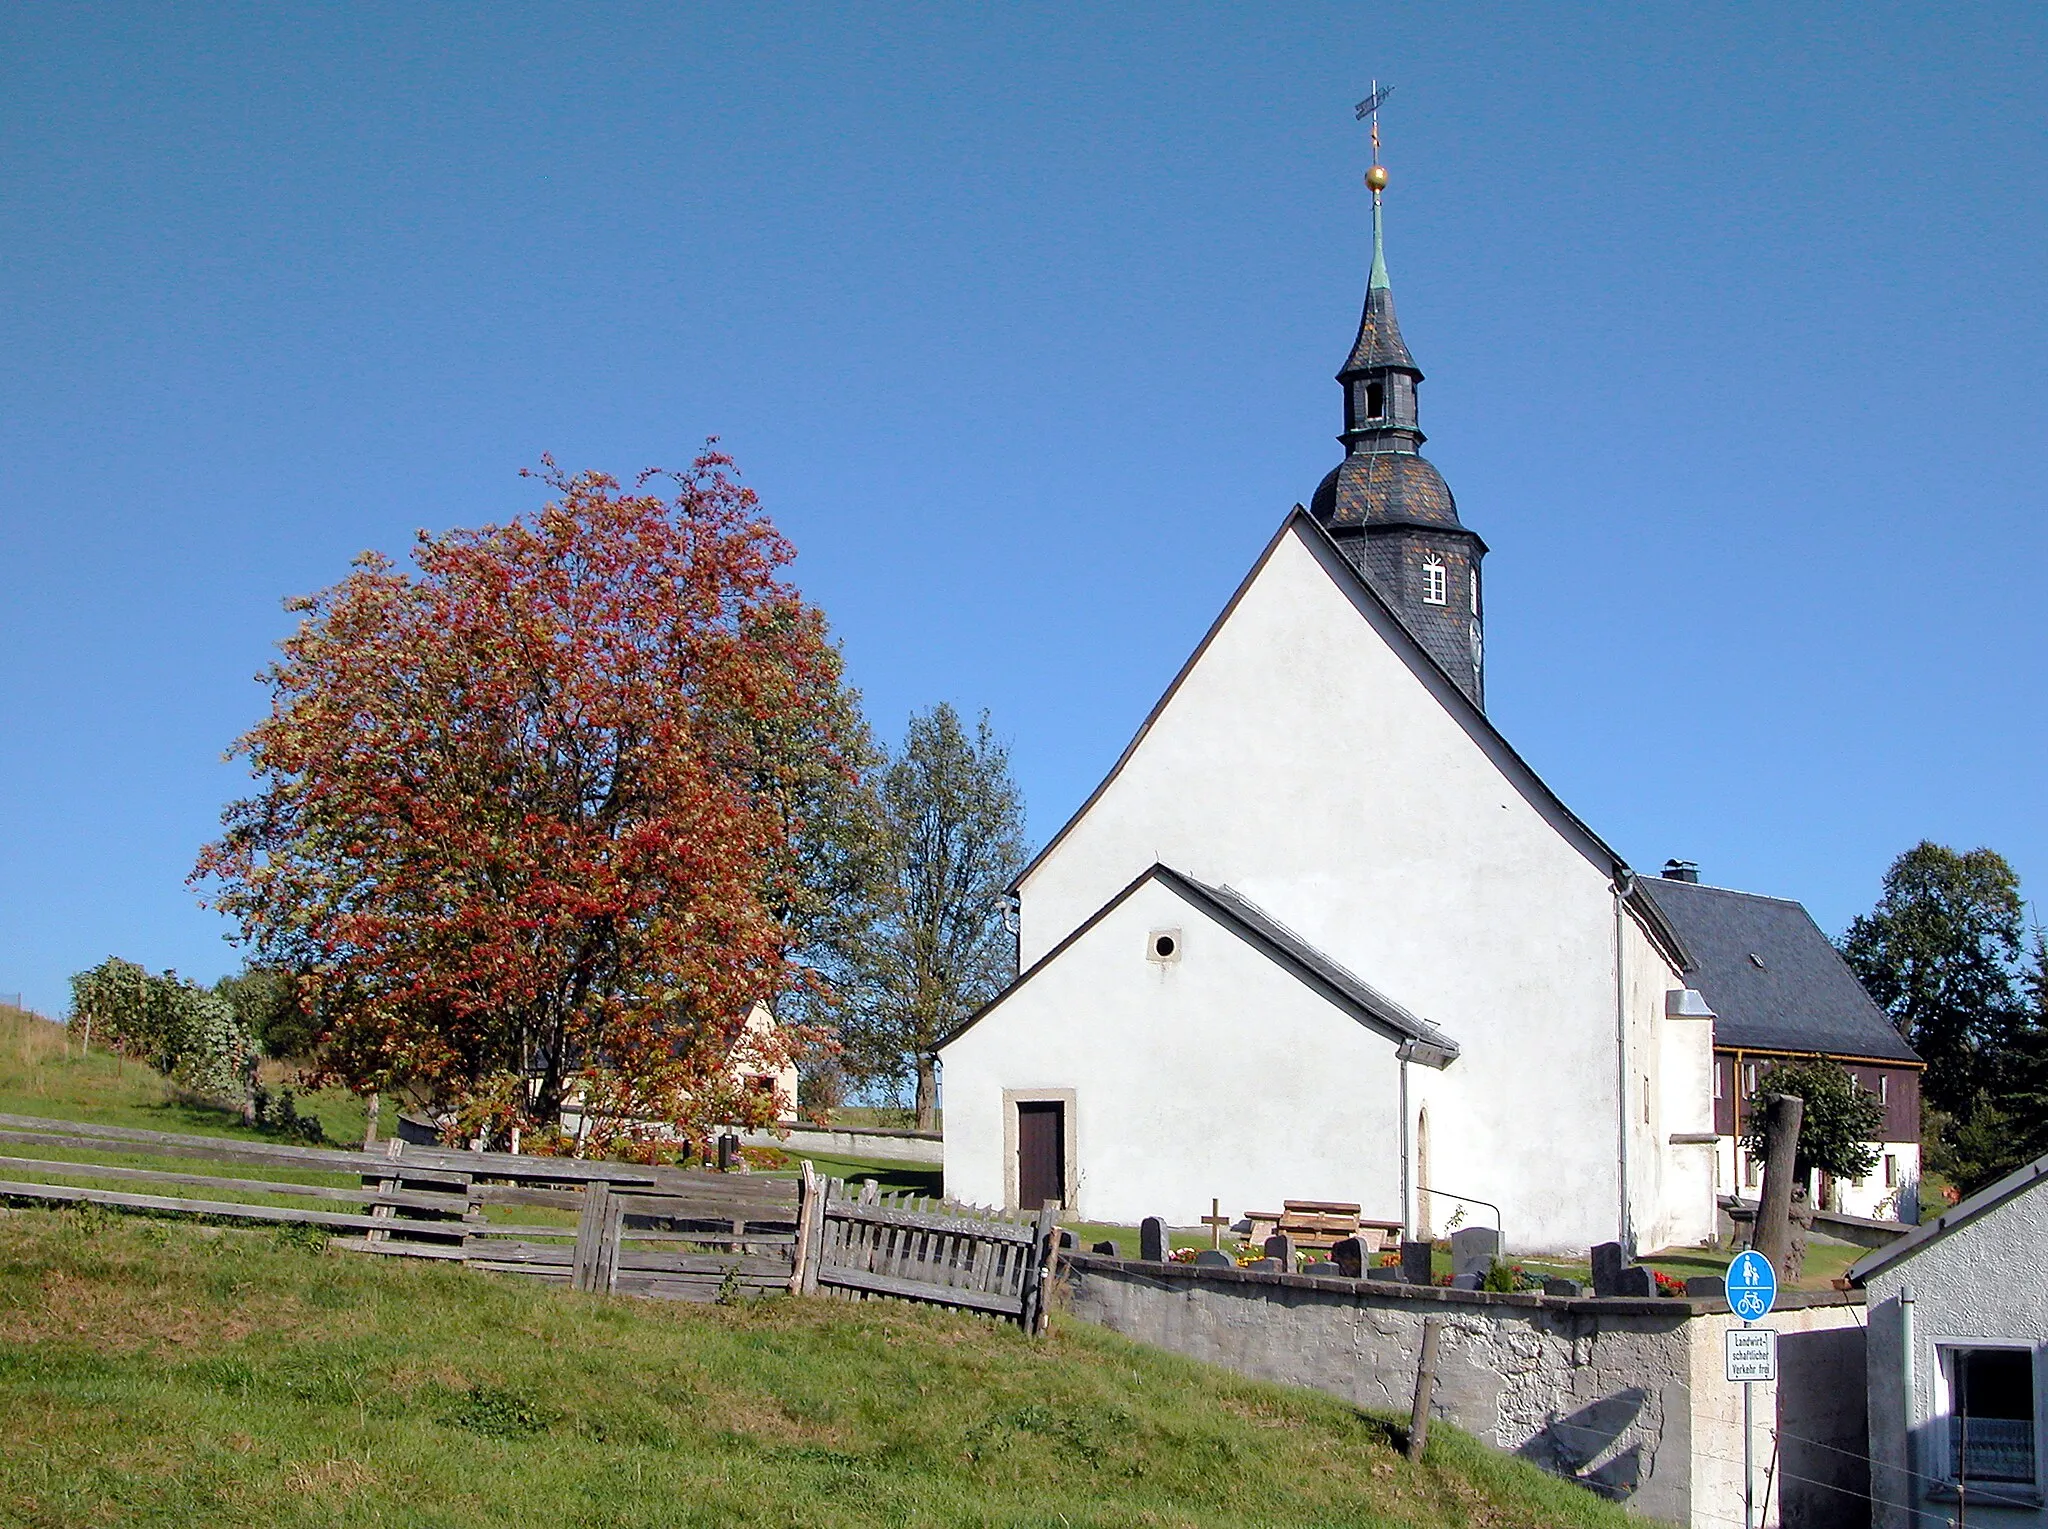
(1421, 1040)
(1772, 978)
(2010, 1187)
(1448, 693)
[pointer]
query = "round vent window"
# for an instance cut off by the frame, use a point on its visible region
(1162, 945)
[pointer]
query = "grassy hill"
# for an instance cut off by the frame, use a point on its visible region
(163, 1372)
(43, 1071)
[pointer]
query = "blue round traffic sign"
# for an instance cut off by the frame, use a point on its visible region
(1752, 1286)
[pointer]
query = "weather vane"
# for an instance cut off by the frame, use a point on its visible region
(1369, 109)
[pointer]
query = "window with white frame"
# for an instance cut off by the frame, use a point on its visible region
(1433, 580)
(1475, 591)
(1989, 1402)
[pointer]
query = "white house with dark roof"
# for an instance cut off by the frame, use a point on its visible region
(1322, 934)
(1958, 1336)
(1781, 992)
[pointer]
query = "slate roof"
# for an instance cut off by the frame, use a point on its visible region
(1379, 344)
(1773, 980)
(2014, 1184)
(1280, 945)
(1386, 487)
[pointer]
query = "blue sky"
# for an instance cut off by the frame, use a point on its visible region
(1023, 321)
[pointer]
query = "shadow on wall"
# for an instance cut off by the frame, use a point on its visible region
(1823, 1466)
(1568, 1446)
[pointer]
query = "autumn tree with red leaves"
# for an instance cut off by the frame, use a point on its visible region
(543, 817)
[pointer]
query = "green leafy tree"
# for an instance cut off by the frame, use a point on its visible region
(268, 1001)
(952, 841)
(193, 1037)
(1941, 954)
(1840, 1127)
(2006, 1125)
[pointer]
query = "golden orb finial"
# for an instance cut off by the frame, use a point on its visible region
(1376, 177)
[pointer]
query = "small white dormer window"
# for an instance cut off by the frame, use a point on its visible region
(1433, 583)
(1475, 592)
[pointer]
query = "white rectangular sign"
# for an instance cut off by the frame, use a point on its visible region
(1752, 1353)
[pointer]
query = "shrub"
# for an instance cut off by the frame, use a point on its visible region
(194, 1038)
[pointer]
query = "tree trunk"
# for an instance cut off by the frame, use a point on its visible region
(927, 1093)
(1782, 1116)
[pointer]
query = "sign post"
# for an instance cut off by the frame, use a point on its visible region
(1751, 1354)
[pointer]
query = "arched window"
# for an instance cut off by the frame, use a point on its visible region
(1375, 400)
(1433, 580)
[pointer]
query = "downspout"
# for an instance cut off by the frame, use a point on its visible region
(1624, 883)
(1911, 1491)
(1407, 1184)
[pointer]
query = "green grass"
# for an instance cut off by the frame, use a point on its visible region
(159, 1372)
(43, 1073)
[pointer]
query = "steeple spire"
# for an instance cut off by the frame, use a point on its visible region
(1379, 248)
(1385, 504)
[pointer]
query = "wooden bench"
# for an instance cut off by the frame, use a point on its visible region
(1319, 1225)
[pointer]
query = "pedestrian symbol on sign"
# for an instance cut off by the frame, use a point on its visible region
(1752, 1286)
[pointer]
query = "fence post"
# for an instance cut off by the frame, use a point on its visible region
(807, 1191)
(590, 1230)
(1425, 1389)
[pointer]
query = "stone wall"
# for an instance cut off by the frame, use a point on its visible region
(1622, 1395)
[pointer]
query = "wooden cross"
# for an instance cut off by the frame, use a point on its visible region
(1216, 1221)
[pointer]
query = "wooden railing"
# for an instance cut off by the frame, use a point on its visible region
(666, 1233)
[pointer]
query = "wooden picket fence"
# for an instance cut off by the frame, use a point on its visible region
(665, 1233)
(911, 1248)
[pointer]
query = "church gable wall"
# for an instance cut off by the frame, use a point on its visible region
(1307, 762)
(1215, 1074)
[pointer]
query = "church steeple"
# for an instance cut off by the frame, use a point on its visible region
(1385, 504)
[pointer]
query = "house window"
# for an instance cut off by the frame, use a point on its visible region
(1748, 1171)
(1990, 1405)
(1718, 1070)
(1475, 591)
(1375, 400)
(1433, 581)
(1884, 1088)
(1891, 1170)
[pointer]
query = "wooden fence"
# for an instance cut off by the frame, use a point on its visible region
(666, 1233)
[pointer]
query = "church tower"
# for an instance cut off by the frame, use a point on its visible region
(1386, 505)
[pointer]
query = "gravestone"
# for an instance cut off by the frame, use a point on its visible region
(1280, 1248)
(1706, 1287)
(1349, 1255)
(1473, 1251)
(1634, 1280)
(1212, 1258)
(728, 1152)
(1466, 1281)
(1068, 1241)
(1556, 1286)
(1267, 1266)
(1106, 1249)
(1152, 1239)
(1608, 1262)
(1392, 1273)
(1323, 1267)
(1415, 1263)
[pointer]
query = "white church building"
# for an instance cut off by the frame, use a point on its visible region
(1322, 934)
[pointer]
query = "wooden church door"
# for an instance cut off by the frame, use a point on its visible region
(1041, 1154)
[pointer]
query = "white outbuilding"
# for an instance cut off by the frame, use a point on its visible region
(1958, 1331)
